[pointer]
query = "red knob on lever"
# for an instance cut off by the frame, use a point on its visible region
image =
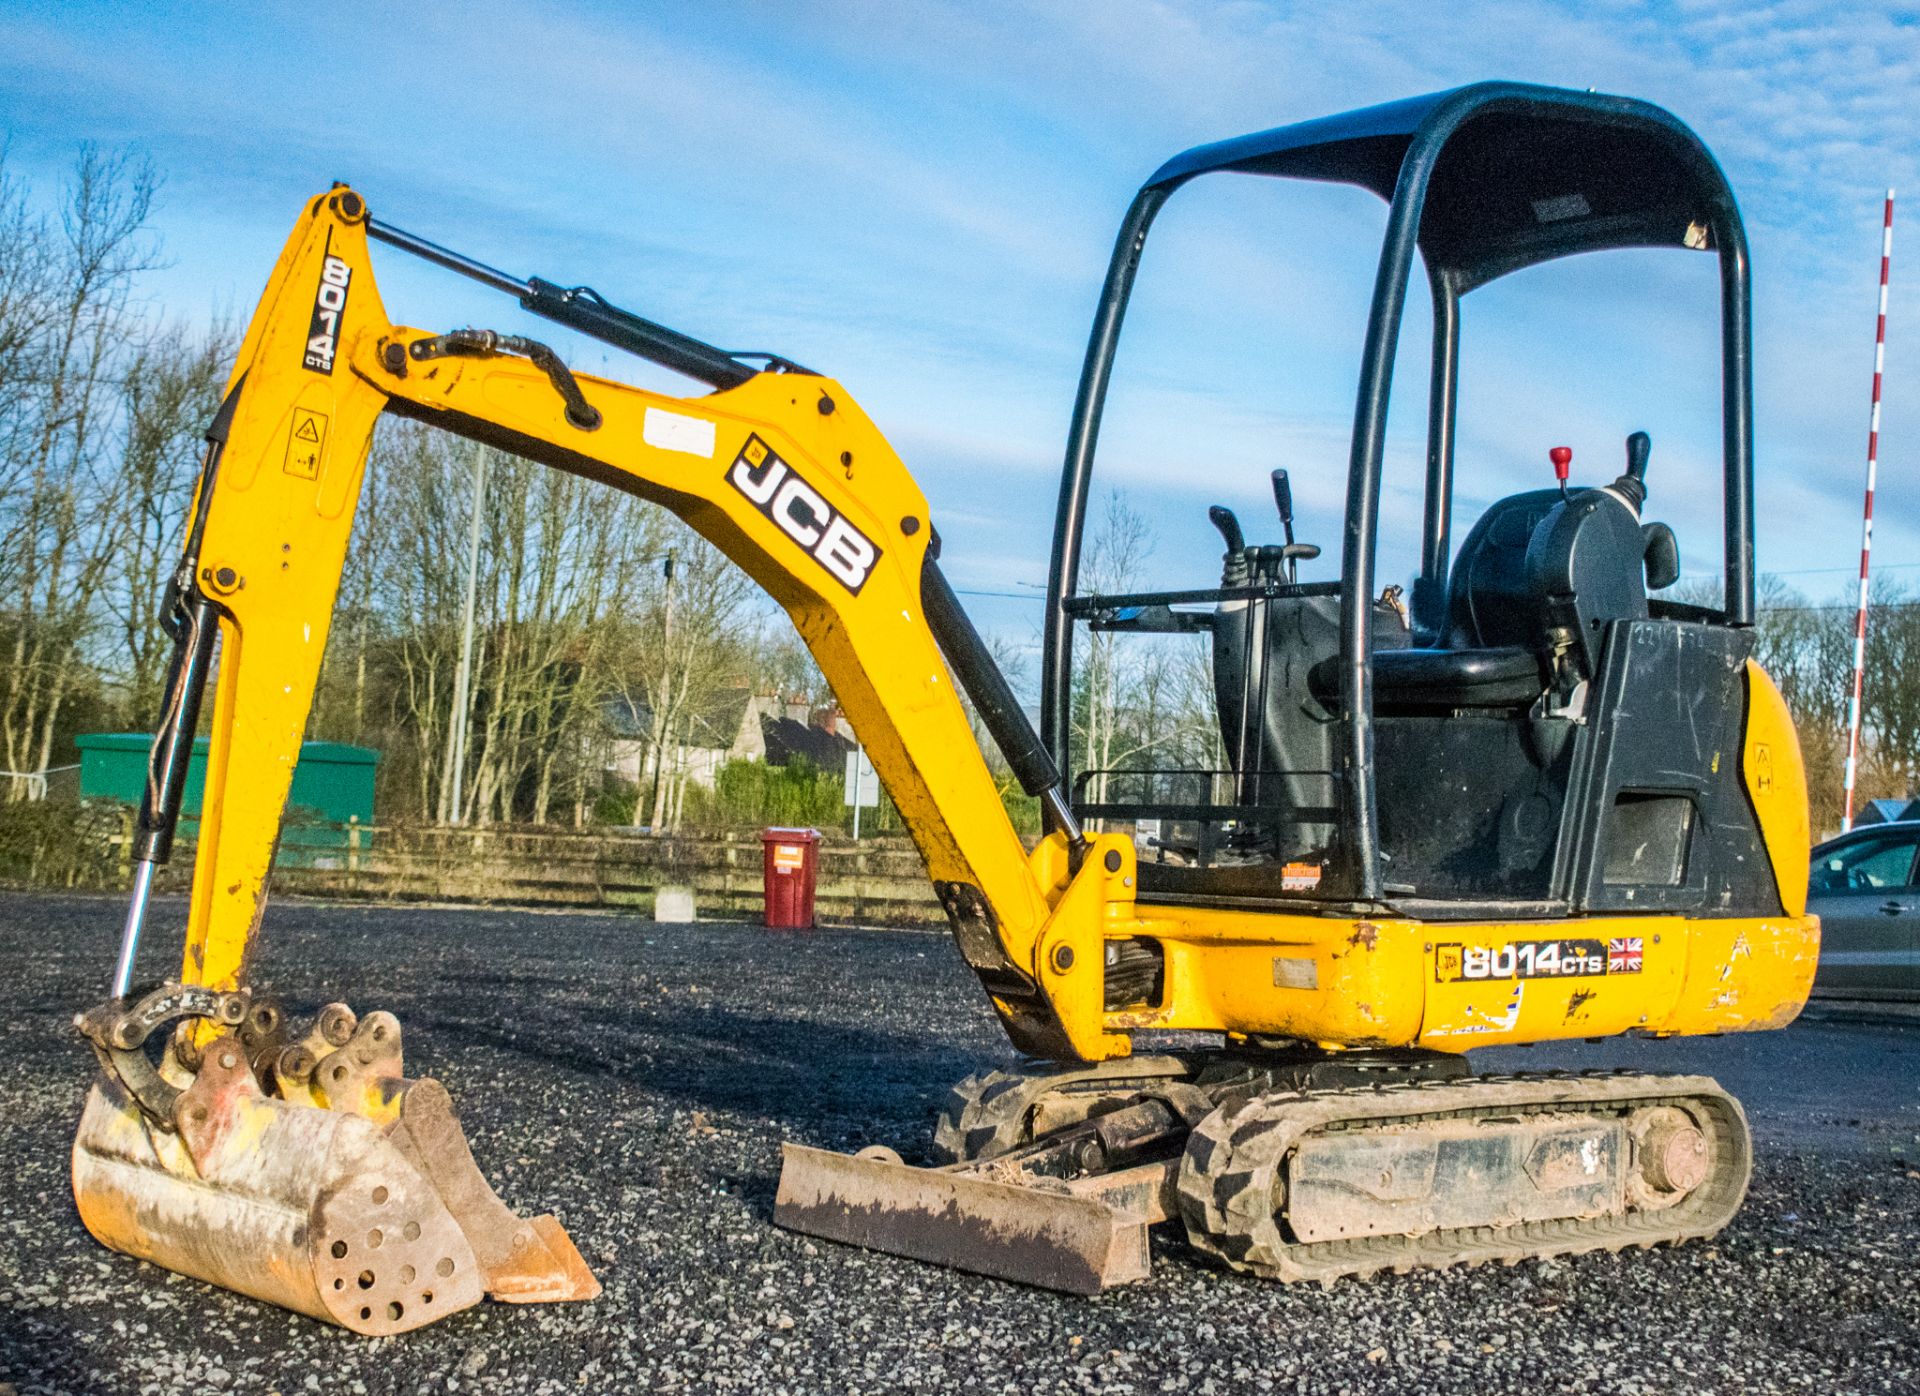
(1562, 458)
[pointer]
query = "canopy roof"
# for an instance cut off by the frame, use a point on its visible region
(1512, 174)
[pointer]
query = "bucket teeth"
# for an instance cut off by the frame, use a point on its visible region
(363, 1209)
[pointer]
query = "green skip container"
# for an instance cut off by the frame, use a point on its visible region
(332, 788)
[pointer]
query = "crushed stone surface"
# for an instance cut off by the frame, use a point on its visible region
(637, 1080)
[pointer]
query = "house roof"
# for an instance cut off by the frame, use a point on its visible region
(788, 739)
(712, 723)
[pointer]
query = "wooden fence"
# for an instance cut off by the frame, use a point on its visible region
(881, 881)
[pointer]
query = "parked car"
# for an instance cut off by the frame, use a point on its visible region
(1864, 888)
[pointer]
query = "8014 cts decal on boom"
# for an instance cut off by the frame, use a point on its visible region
(1538, 959)
(329, 304)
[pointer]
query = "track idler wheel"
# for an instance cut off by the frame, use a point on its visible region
(338, 1189)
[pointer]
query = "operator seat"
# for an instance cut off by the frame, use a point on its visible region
(1490, 653)
(1537, 564)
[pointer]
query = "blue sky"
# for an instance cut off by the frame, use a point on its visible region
(920, 198)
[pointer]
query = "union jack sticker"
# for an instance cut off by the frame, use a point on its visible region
(1623, 954)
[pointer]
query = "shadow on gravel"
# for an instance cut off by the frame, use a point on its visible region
(43, 1357)
(786, 1071)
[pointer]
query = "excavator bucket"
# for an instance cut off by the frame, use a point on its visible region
(341, 1190)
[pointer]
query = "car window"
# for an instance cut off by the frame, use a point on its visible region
(1863, 866)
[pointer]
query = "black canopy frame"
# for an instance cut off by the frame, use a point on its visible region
(1482, 180)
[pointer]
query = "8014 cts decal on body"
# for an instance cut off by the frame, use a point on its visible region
(1538, 959)
(803, 514)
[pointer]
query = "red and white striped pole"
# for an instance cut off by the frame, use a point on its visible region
(1866, 525)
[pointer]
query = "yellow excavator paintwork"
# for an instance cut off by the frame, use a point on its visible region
(276, 537)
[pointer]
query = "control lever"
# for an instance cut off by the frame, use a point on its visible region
(1562, 458)
(1633, 485)
(1659, 548)
(1234, 570)
(1639, 446)
(1228, 523)
(1283, 501)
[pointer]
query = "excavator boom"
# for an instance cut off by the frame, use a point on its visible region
(781, 471)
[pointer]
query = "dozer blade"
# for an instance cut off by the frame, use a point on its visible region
(1079, 1236)
(380, 1227)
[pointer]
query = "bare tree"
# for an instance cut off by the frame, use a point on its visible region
(1110, 680)
(29, 274)
(684, 641)
(63, 518)
(170, 391)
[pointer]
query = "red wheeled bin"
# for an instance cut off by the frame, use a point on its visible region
(792, 865)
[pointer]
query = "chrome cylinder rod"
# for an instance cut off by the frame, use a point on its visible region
(130, 933)
(443, 257)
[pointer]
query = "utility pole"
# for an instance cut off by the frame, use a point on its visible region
(663, 722)
(859, 783)
(463, 676)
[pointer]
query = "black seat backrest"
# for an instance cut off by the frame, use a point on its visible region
(1587, 562)
(1491, 601)
(1541, 559)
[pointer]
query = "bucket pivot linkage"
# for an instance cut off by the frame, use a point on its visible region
(302, 1169)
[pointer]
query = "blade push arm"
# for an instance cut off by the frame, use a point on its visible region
(782, 472)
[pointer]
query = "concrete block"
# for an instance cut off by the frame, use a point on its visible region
(673, 904)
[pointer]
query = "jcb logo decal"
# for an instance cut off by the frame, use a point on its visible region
(329, 304)
(777, 490)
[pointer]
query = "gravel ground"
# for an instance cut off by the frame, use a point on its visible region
(637, 1080)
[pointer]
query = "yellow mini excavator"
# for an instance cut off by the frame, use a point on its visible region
(1545, 804)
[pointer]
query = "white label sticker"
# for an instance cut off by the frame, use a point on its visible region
(1295, 972)
(670, 431)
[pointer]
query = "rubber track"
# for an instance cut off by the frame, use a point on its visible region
(1227, 1175)
(990, 1114)
(982, 1117)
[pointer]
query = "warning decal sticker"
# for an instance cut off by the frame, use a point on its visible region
(1299, 877)
(305, 443)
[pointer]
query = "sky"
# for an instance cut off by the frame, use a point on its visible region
(919, 200)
